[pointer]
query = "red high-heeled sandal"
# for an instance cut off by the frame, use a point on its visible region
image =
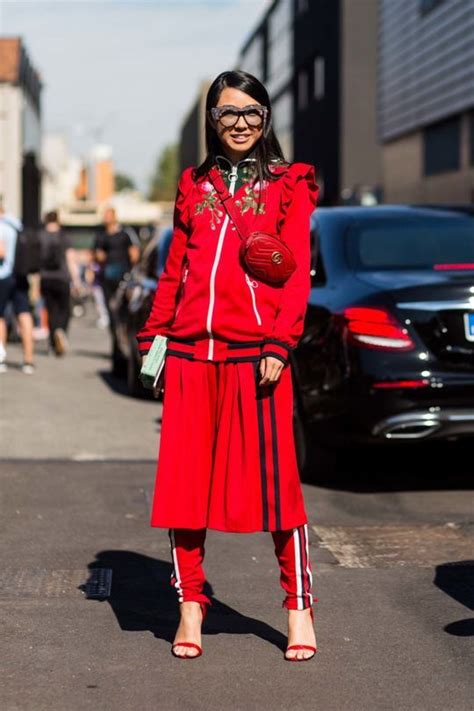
(296, 647)
(190, 645)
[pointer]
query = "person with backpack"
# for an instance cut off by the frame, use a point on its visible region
(58, 267)
(14, 289)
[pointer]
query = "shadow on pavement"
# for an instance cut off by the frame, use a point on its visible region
(457, 580)
(143, 600)
(434, 466)
(117, 385)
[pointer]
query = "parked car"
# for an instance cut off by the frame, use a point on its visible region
(388, 348)
(132, 304)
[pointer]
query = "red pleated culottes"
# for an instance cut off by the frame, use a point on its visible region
(227, 456)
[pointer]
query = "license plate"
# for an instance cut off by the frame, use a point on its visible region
(469, 326)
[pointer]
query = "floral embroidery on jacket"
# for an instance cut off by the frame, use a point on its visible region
(250, 201)
(212, 203)
(252, 190)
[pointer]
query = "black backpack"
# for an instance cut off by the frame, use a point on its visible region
(52, 252)
(27, 250)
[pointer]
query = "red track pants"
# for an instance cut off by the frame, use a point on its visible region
(291, 549)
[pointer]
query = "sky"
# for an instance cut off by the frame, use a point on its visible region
(126, 72)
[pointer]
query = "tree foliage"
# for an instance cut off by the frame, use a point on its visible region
(165, 176)
(123, 182)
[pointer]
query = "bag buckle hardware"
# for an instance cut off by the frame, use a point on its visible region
(277, 258)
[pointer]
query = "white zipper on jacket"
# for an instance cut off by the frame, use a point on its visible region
(212, 281)
(252, 285)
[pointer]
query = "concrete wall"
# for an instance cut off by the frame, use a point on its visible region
(360, 155)
(403, 173)
(11, 152)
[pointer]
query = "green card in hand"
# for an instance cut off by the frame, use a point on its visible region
(154, 363)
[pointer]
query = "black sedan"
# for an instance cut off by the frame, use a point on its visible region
(388, 348)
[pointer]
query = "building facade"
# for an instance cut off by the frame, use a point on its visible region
(20, 132)
(318, 60)
(426, 100)
(192, 144)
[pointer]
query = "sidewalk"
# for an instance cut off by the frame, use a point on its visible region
(72, 407)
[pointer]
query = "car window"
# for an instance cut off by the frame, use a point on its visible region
(318, 272)
(411, 242)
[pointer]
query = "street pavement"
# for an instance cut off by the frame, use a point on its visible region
(391, 541)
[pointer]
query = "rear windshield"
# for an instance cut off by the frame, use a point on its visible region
(412, 243)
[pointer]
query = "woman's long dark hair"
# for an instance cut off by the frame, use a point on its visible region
(266, 149)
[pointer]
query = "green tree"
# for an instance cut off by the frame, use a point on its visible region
(165, 176)
(123, 182)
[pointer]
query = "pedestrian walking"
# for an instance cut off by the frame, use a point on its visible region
(58, 269)
(96, 278)
(14, 290)
(227, 455)
(116, 250)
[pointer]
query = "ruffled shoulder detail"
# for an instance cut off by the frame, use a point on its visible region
(183, 194)
(298, 179)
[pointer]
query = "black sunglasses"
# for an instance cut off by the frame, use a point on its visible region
(228, 115)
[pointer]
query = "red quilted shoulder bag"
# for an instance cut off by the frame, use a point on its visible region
(266, 256)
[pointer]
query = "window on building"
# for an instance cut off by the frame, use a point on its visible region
(302, 6)
(303, 89)
(282, 120)
(442, 146)
(252, 60)
(471, 135)
(319, 71)
(280, 46)
(428, 5)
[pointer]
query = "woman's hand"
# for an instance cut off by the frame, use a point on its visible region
(270, 369)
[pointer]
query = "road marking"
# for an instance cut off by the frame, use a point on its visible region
(390, 546)
(87, 457)
(39, 582)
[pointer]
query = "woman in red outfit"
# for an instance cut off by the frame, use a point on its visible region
(227, 457)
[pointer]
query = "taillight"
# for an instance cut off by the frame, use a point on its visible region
(404, 384)
(376, 328)
(448, 267)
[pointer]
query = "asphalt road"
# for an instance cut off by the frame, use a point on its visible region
(392, 546)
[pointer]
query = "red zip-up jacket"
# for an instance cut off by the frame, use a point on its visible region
(207, 305)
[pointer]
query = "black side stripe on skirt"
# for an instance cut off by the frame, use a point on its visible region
(276, 465)
(263, 462)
